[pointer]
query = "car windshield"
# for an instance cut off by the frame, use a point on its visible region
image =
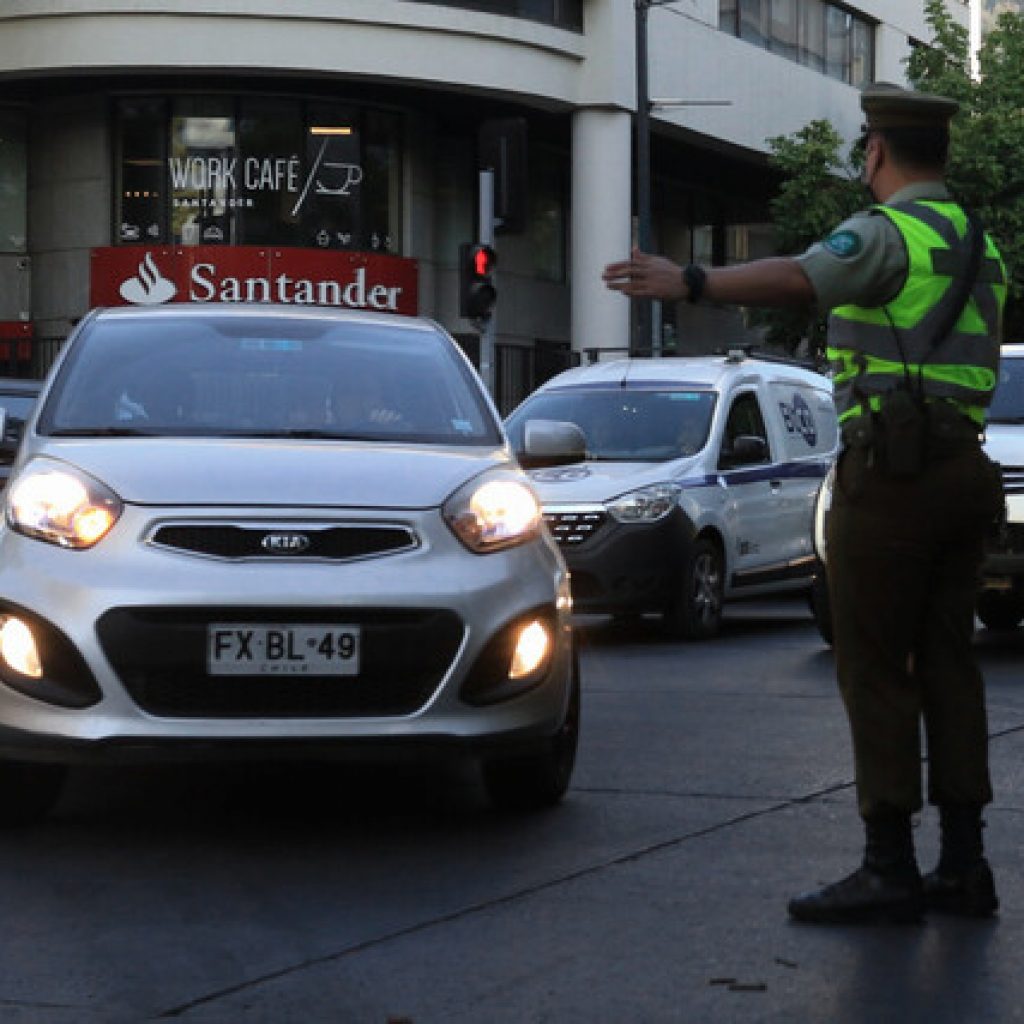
(1008, 401)
(273, 375)
(625, 424)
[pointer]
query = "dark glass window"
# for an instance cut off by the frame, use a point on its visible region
(812, 34)
(258, 171)
(822, 35)
(562, 13)
(13, 182)
(142, 174)
(755, 21)
(785, 30)
(837, 44)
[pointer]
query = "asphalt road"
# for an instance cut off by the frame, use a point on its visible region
(713, 782)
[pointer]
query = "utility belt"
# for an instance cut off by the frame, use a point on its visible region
(907, 433)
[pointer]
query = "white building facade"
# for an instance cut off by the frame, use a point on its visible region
(328, 151)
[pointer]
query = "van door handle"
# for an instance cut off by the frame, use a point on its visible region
(776, 485)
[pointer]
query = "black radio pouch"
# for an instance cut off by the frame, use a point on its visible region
(903, 426)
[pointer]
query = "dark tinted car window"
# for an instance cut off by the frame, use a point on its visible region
(625, 424)
(277, 376)
(1008, 400)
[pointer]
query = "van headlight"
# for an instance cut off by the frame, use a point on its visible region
(61, 505)
(646, 505)
(493, 512)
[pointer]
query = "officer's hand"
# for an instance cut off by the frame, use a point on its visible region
(646, 276)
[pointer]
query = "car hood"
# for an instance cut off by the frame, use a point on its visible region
(1004, 442)
(600, 481)
(260, 472)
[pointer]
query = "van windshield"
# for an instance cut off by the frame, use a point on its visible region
(624, 424)
(1008, 401)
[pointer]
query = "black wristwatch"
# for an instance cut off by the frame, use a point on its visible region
(694, 278)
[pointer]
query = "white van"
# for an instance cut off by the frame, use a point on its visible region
(697, 484)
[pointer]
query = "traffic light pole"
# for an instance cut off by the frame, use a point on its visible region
(488, 330)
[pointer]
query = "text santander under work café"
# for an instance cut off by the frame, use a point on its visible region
(153, 275)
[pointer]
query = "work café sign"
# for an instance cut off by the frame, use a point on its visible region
(142, 275)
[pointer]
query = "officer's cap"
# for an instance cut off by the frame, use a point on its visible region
(889, 106)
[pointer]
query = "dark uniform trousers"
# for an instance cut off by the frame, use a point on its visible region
(904, 555)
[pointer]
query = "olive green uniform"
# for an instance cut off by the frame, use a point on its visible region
(903, 559)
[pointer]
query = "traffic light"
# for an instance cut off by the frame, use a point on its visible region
(477, 293)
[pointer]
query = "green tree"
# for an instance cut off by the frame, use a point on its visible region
(986, 166)
(820, 189)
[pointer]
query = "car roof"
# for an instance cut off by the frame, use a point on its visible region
(706, 372)
(239, 310)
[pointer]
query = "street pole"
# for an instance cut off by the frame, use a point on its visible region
(488, 329)
(644, 339)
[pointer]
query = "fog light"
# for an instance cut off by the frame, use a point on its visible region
(18, 648)
(532, 648)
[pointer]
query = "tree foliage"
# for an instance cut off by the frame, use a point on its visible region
(986, 166)
(820, 189)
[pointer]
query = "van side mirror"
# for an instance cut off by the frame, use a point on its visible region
(551, 443)
(744, 450)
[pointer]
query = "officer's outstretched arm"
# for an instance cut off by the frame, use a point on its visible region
(778, 281)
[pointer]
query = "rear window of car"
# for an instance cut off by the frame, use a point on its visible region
(624, 424)
(250, 375)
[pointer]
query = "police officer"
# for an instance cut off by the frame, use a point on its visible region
(914, 496)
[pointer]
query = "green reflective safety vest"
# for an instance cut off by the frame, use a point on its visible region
(872, 349)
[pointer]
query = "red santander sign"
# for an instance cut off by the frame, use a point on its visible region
(144, 275)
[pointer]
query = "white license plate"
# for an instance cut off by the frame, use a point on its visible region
(267, 649)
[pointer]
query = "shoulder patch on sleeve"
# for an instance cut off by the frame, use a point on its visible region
(844, 244)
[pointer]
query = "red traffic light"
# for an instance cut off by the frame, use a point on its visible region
(484, 258)
(477, 293)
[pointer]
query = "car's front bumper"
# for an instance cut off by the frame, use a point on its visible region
(624, 567)
(77, 592)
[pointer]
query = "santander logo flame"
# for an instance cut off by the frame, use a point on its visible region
(149, 288)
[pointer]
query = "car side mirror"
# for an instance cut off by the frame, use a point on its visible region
(744, 450)
(551, 443)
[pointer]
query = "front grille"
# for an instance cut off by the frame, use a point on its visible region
(160, 656)
(571, 529)
(337, 543)
(1013, 479)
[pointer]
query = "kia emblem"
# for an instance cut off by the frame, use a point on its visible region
(285, 543)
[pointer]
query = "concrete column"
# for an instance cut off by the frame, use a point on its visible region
(601, 225)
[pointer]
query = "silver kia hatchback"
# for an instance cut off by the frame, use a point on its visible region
(264, 530)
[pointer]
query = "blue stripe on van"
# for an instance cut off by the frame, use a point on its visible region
(781, 471)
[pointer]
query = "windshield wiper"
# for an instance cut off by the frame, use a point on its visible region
(1009, 420)
(103, 432)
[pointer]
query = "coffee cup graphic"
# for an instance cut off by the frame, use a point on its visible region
(150, 287)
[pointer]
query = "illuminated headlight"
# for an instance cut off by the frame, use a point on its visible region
(822, 505)
(646, 505)
(61, 505)
(493, 513)
(18, 648)
(533, 646)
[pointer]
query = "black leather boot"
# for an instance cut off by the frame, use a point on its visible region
(885, 889)
(962, 881)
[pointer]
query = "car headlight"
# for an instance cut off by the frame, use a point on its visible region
(822, 505)
(646, 505)
(61, 505)
(492, 513)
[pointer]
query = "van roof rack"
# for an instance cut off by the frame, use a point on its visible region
(737, 353)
